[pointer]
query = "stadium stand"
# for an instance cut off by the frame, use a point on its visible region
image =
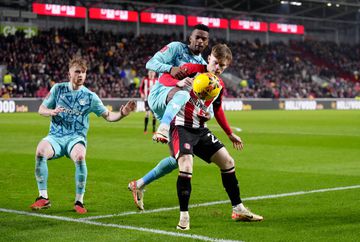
(306, 69)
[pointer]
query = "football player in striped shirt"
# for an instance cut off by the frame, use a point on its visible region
(189, 136)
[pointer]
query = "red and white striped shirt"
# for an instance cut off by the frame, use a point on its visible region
(190, 114)
(167, 80)
(145, 86)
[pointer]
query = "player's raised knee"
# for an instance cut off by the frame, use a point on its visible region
(41, 152)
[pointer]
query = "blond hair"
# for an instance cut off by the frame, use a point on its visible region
(78, 61)
(222, 52)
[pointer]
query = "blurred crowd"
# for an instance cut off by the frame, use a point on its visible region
(295, 70)
(308, 69)
(116, 62)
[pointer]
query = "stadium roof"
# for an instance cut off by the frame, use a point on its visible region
(346, 11)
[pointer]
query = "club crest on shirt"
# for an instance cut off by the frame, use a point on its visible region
(187, 146)
(164, 49)
(82, 102)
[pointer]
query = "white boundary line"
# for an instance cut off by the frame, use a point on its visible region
(225, 201)
(163, 232)
(154, 231)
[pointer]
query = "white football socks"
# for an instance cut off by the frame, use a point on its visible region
(79, 197)
(43, 193)
(239, 207)
(184, 215)
(140, 183)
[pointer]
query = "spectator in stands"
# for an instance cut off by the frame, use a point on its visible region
(8, 79)
(298, 70)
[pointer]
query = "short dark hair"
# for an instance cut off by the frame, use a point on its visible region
(202, 27)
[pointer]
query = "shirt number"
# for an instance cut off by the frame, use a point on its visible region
(213, 139)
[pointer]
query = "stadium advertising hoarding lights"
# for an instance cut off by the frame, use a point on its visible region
(299, 105)
(113, 14)
(347, 104)
(286, 28)
(59, 10)
(7, 106)
(29, 31)
(210, 22)
(161, 18)
(229, 104)
(248, 25)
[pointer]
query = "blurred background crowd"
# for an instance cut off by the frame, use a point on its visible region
(297, 69)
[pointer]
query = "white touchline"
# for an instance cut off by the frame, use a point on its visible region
(163, 232)
(154, 231)
(225, 201)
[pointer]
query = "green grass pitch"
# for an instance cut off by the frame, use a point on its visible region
(285, 152)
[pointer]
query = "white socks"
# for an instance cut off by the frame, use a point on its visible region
(43, 193)
(79, 197)
(140, 183)
(239, 207)
(184, 215)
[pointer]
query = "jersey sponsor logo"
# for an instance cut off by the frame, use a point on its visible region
(72, 111)
(164, 49)
(197, 103)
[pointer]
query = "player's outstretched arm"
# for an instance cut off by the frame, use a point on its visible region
(44, 111)
(124, 111)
